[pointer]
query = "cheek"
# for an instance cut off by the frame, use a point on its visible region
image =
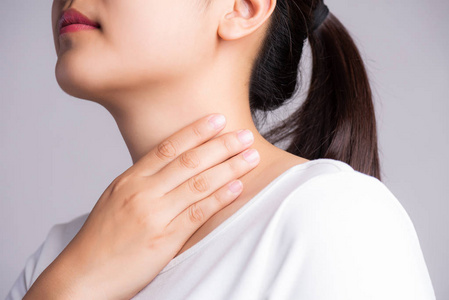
(163, 43)
(133, 49)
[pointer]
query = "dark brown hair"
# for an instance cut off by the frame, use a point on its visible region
(337, 118)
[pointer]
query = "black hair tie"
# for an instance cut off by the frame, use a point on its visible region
(319, 15)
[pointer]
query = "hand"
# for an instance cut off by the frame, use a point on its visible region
(147, 214)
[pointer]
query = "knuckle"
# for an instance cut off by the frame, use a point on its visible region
(166, 150)
(198, 184)
(119, 183)
(235, 168)
(197, 132)
(218, 199)
(189, 160)
(227, 143)
(196, 214)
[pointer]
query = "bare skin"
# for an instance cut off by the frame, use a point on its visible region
(158, 67)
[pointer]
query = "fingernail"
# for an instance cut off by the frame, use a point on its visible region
(217, 121)
(251, 155)
(235, 186)
(245, 136)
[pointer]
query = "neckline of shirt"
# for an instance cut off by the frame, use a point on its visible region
(221, 227)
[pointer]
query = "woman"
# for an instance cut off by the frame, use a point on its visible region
(311, 222)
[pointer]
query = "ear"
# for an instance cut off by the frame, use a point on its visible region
(246, 17)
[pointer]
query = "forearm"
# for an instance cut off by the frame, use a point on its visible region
(58, 281)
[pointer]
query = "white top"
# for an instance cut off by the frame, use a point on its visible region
(319, 231)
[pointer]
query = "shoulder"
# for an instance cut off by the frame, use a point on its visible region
(349, 234)
(58, 237)
(343, 203)
(326, 183)
(330, 184)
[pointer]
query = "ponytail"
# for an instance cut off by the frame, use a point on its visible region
(337, 118)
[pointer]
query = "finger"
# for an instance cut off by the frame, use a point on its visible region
(209, 181)
(195, 161)
(188, 137)
(188, 221)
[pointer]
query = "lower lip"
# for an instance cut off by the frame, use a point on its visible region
(76, 27)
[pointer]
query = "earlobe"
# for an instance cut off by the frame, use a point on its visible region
(246, 17)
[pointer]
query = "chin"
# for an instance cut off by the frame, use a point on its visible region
(79, 78)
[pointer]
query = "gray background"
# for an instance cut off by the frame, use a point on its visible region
(59, 153)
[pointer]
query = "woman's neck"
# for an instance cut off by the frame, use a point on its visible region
(149, 115)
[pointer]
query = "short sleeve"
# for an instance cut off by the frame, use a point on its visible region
(23, 282)
(350, 239)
